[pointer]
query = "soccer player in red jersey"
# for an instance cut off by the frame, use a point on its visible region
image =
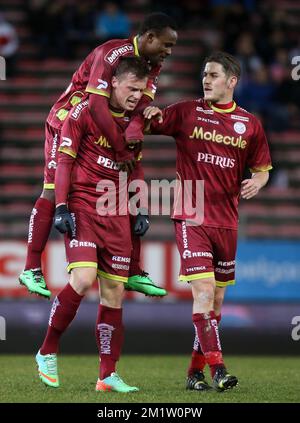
(96, 244)
(154, 42)
(216, 141)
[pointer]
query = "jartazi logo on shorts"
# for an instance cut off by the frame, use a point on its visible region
(120, 266)
(114, 53)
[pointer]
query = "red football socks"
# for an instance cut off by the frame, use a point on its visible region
(198, 361)
(109, 338)
(135, 252)
(39, 229)
(63, 311)
(206, 326)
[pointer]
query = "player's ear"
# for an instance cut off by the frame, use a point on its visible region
(232, 82)
(114, 81)
(150, 36)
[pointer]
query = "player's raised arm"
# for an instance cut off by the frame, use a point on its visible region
(72, 130)
(163, 122)
(104, 120)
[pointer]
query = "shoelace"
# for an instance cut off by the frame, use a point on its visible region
(51, 365)
(115, 375)
(37, 275)
(146, 275)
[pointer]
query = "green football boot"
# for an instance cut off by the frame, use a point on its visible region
(143, 283)
(35, 282)
(47, 368)
(114, 383)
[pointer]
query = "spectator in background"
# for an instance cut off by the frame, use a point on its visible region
(79, 25)
(111, 22)
(9, 44)
(258, 94)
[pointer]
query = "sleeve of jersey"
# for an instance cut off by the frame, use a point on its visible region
(70, 140)
(107, 125)
(100, 76)
(171, 122)
(141, 190)
(259, 159)
(71, 134)
(63, 178)
(135, 129)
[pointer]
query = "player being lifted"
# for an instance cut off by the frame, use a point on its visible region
(154, 42)
(96, 245)
(216, 141)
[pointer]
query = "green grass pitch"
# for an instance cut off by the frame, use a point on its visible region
(161, 379)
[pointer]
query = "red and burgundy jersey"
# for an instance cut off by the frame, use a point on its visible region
(95, 159)
(214, 145)
(94, 76)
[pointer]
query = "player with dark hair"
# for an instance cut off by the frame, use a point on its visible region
(96, 244)
(154, 42)
(216, 141)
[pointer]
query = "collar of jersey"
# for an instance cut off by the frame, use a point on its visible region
(219, 110)
(117, 114)
(135, 45)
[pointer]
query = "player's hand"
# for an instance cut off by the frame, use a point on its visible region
(153, 112)
(127, 166)
(250, 187)
(141, 224)
(131, 144)
(63, 221)
(125, 161)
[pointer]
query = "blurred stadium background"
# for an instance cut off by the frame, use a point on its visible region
(53, 37)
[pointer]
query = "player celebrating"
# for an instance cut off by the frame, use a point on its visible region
(95, 244)
(154, 42)
(216, 140)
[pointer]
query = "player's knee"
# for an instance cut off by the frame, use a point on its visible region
(203, 293)
(111, 293)
(82, 279)
(48, 194)
(205, 297)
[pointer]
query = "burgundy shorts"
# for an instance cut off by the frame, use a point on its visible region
(100, 242)
(206, 252)
(52, 141)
